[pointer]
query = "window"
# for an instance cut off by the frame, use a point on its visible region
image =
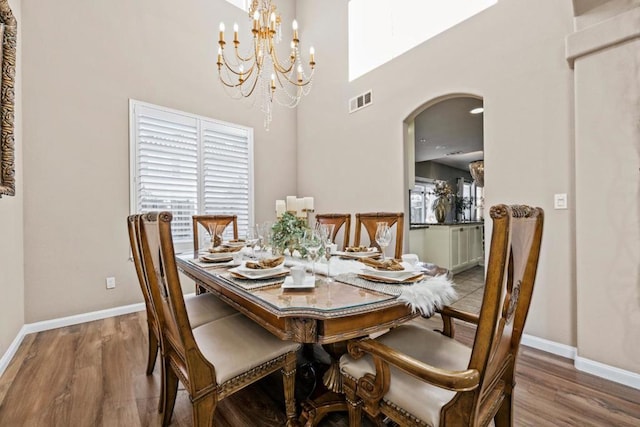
(380, 30)
(242, 4)
(189, 165)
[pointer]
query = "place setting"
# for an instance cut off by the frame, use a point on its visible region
(390, 271)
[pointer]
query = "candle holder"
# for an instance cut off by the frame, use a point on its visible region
(307, 213)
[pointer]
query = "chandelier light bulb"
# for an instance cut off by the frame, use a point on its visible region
(256, 15)
(235, 27)
(222, 27)
(294, 25)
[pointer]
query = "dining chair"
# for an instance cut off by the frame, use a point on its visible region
(200, 308)
(216, 359)
(338, 220)
(370, 222)
(206, 220)
(419, 377)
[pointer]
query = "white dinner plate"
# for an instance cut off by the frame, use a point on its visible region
(408, 277)
(356, 255)
(249, 273)
(221, 257)
(244, 269)
(234, 244)
(408, 269)
(309, 283)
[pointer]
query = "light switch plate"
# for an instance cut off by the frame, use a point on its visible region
(111, 282)
(560, 201)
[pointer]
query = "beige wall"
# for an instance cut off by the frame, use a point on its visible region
(83, 60)
(355, 162)
(607, 87)
(11, 212)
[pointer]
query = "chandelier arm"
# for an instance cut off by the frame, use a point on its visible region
(239, 57)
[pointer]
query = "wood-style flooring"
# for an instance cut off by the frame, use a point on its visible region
(93, 375)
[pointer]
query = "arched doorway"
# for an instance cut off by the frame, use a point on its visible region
(442, 138)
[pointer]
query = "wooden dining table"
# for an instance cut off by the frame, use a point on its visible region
(330, 313)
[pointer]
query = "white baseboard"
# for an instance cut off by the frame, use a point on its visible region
(46, 325)
(76, 319)
(611, 373)
(552, 347)
(11, 351)
(592, 367)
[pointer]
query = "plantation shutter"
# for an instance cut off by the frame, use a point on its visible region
(226, 171)
(189, 165)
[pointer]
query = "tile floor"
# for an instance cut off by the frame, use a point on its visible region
(469, 285)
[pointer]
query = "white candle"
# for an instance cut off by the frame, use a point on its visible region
(308, 203)
(300, 207)
(292, 204)
(280, 208)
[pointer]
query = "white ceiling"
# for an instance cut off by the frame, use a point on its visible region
(448, 133)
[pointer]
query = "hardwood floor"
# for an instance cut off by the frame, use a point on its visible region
(93, 375)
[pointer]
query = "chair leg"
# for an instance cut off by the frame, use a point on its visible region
(354, 403)
(170, 391)
(504, 416)
(153, 351)
(448, 326)
(203, 410)
(289, 382)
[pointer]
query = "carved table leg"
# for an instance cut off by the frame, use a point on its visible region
(313, 411)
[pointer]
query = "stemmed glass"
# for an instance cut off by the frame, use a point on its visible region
(251, 240)
(312, 242)
(326, 232)
(383, 236)
(215, 231)
(265, 236)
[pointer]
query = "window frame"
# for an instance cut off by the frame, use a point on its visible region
(183, 245)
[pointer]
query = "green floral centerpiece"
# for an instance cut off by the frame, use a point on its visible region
(287, 232)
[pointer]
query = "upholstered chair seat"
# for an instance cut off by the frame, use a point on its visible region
(206, 308)
(237, 344)
(420, 399)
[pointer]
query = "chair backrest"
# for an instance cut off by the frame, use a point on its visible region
(179, 344)
(370, 222)
(219, 220)
(338, 220)
(511, 272)
(133, 225)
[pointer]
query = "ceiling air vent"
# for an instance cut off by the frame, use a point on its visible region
(360, 101)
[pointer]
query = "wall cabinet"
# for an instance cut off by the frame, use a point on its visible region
(456, 247)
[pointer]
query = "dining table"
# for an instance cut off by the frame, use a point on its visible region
(332, 311)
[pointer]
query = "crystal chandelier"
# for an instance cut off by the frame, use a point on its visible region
(259, 70)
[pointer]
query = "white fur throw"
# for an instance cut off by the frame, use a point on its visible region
(429, 295)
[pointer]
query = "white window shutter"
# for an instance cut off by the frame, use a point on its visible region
(189, 165)
(226, 171)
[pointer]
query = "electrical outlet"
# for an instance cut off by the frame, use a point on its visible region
(560, 201)
(111, 282)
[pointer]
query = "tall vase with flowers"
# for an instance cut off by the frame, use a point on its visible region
(442, 202)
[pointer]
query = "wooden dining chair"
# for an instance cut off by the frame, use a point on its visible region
(216, 359)
(418, 377)
(338, 220)
(201, 309)
(220, 220)
(370, 223)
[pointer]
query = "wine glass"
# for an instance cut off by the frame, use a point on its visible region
(215, 231)
(383, 236)
(251, 240)
(312, 242)
(326, 233)
(265, 243)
